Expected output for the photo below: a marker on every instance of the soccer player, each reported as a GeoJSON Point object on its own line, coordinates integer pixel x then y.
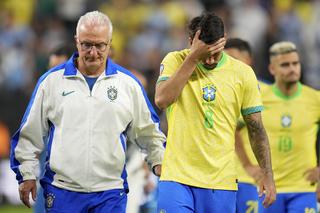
{"type": "Point", "coordinates": [291, 118]}
{"type": "Point", "coordinates": [204, 91]}
{"type": "Point", "coordinates": [249, 172]}
{"type": "Point", "coordinates": [84, 111]}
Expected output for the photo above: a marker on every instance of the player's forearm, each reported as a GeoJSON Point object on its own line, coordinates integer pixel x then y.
{"type": "Point", "coordinates": [259, 141]}
{"type": "Point", "coordinates": [240, 151]}
{"type": "Point", "coordinates": [168, 91]}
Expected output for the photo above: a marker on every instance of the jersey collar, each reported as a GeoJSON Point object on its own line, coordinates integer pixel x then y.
{"type": "Point", "coordinates": [278, 92]}
{"type": "Point", "coordinates": [71, 69]}
{"type": "Point", "coordinates": [220, 63]}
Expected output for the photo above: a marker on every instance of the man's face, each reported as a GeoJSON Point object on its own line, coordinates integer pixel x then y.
{"type": "Point", "coordinates": [211, 61]}
{"type": "Point", "coordinates": [286, 68]}
{"type": "Point", "coordinates": [243, 56]}
{"type": "Point", "coordinates": [93, 44]}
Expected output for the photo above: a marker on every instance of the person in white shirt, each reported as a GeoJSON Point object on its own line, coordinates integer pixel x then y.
{"type": "Point", "coordinates": [84, 111]}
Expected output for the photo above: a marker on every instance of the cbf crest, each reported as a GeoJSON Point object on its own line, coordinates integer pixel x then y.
{"type": "Point", "coordinates": [112, 93]}
{"type": "Point", "coordinates": [49, 200]}
{"type": "Point", "coordinates": [286, 121]}
{"type": "Point", "coordinates": [209, 93]}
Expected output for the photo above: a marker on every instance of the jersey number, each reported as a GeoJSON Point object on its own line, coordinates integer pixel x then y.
{"type": "Point", "coordinates": [309, 210]}
{"type": "Point", "coordinates": [285, 144]}
{"type": "Point", "coordinates": [208, 118]}
{"type": "Point", "coordinates": [252, 206]}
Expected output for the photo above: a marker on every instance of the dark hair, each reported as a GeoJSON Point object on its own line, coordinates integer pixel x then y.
{"type": "Point", "coordinates": [63, 50]}
{"type": "Point", "coordinates": [239, 44]}
{"type": "Point", "coordinates": [211, 26]}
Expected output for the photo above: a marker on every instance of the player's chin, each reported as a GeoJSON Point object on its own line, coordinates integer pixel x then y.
{"type": "Point", "coordinates": [94, 62]}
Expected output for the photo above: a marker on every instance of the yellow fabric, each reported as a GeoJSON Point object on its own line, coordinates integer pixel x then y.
{"type": "Point", "coordinates": [200, 143]}
{"type": "Point", "coordinates": [23, 10]}
{"type": "Point", "coordinates": [291, 125]}
{"type": "Point", "coordinates": [243, 176]}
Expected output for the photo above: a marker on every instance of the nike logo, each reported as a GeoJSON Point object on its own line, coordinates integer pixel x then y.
{"type": "Point", "coordinates": [67, 93]}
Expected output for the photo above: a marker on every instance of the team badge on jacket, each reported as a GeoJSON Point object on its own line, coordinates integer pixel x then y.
{"type": "Point", "coordinates": [49, 200]}
{"type": "Point", "coordinates": [112, 93]}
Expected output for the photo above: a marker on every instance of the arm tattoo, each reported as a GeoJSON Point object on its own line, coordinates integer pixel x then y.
{"type": "Point", "coordinates": [259, 140]}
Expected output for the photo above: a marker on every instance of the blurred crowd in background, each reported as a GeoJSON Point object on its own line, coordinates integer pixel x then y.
{"type": "Point", "coordinates": [144, 31]}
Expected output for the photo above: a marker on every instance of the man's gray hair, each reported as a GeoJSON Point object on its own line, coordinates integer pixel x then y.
{"type": "Point", "coordinates": [95, 18]}
{"type": "Point", "coordinates": [282, 47]}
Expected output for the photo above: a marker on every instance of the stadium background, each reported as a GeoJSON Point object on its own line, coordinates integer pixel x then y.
{"type": "Point", "coordinates": [144, 31]}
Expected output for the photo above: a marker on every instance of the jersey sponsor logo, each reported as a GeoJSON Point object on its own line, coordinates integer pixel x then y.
{"type": "Point", "coordinates": [64, 93]}
{"type": "Point", "coordinates": [162, 211]}
{"type": "Point", "coordinates": [112, 93]}
{"type": "Point", "coordinates": [209, 93]}
{"type": "Point", "coordinates": [286, 121]}
{"type": "Point", "coordinates": [49, 200]}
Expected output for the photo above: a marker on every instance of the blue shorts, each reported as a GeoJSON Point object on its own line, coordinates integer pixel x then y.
{"type": "Point", "coordinates": [248, 198]}
{"type": "Point", "coordinates": [175, 197]}
{"type": "Point", "coordinates": [294, 203]}
{"type": "Point", "coordinates": [65, 201]}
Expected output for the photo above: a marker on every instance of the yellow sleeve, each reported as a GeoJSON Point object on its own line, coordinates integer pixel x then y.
{"type": "Point", "coordinates": [318, 92]}
{"type": "Point", "coordinates": [168, 66]}
{"type": "Point", "coordinates": [251, 94]}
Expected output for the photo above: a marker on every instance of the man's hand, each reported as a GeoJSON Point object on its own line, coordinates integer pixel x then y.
{"type": "Point", "coordinates": [25, 188]}
{"type": "Point", "coordinates": [260, 146]}
{"type": "Point", "coordinates": [157, 170]}
{"type": "Point", "coordinates": [201, 50]}
{"type": "Point", "coordinates": [267, 187]}
{"type": "Point", "coordinates": [312, 175]}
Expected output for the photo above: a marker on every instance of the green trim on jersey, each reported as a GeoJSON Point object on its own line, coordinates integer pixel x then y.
{"type": "Point", "coordinates": [278, 92]}
{"type": "Point", "coordinates": [220, 63]}
{"type": "Point", "coordinates": [162, 79]}
{"type": "Point", "coordinates": [251, 110]}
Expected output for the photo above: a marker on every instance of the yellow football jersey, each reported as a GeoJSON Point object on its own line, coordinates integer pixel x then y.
{"type": "Point", "coordinates": [201, 122]}
{"type": "Point", "coordinates": [243, 176]}
{"type": "Point", "coordinates": [291, 124]}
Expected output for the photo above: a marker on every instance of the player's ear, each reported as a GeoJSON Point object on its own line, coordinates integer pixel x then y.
{"type": "Point", "coordinates": [190, 41]}
{"type": "Point", "coordinates": [271, 69]}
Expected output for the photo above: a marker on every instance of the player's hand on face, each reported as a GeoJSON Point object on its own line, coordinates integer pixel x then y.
{"type": "Point", "coordinates": [267, 187]}
{"type": "Point", "coordinates": [201, 50]}
{"type": "Point", "coordinates": [312, 175]}
{"type": "Point", "coordinates": [25, 188]}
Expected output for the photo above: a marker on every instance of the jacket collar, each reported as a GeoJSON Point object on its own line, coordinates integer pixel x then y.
{"type": "Point", "coordinates": [71, 69]}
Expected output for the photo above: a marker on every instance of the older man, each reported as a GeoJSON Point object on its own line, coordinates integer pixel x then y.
{"type": "Point", "coordinates": [84, 111]}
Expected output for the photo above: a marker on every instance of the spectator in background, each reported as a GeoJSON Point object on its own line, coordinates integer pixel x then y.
{"type": "Point", "coordinates": [198, 88]}
{"type": "Point", "coordinates": [61, 54]}
{"type": "Point", "coordinates": [291, 118]}
{"type": "Point", "coordinates": [83, 112]}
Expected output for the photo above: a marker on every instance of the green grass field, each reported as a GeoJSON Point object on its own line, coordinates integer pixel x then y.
{"type": "Point", "coordinates": [14, 209]}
